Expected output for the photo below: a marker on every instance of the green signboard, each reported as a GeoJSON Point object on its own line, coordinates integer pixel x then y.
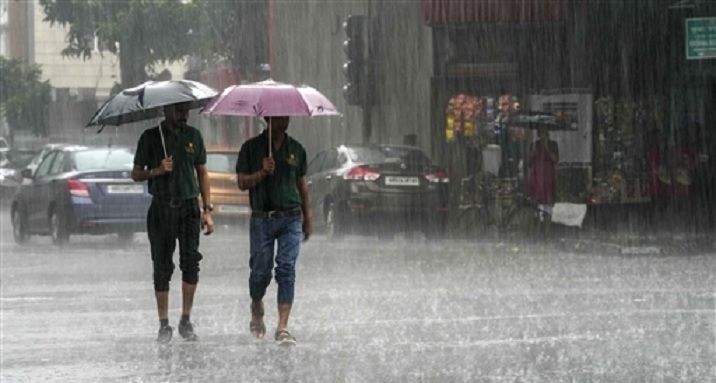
{"type": "Point", "coordinates": [701, 38]}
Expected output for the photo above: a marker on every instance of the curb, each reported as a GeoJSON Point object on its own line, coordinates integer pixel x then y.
{"type": "Point", "coordinates": [683, 246]}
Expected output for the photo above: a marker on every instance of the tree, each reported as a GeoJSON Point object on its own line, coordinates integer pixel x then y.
{"type": "Point", "coordinates": [142, 34]}
{"type": "Point", "coordinates": [145, 33]}
{"type": "Point", "coordinates": [235, 31]}
{"type": "Point", "coordinates": [24, 98]}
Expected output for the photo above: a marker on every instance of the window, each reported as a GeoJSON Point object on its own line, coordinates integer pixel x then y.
{"type": "Point", "coordinates": [410, 156]}
{"type": "Point", "coordinates": [109, 158]}
{"type": "Point", "coordinates": [221, 162]}
{"type": "Point", "coordinates": [58, 165]}
{"type": "Point", "coordinates": [316, 162]}
{"type": "Point", "coordinates": [331, 161]}
{"type": "Point", "coordinates": [44, 168]}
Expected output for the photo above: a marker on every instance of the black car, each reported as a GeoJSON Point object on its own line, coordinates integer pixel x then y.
{"type": "Point", "coordinates": [377, 189]}
{"type": "Point", "coordinates": [80, 190]}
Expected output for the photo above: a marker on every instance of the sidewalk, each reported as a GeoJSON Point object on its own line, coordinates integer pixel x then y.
{"type": "Point", "coordinates": [673, 242]}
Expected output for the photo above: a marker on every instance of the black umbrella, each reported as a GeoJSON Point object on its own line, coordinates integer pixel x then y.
{"type": "Point", "coordinates": [534, 120]}
{"type": "Point", "coordinates": [147, 101]}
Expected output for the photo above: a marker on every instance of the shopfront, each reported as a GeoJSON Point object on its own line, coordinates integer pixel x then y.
{"type": "Point", "coordinates": [490, 58]}
{"type": "Point", "coordinates": [622, 65]}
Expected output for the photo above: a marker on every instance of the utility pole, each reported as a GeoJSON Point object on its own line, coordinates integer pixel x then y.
{"type": "Point", "coordinates": [368, 86]}
{"type": "Point", "coordinates": [358, 68]}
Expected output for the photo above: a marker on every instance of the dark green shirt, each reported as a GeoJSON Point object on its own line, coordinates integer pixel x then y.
{"type": "Point", "coordinates": [278, 191]}
{"type": "Point", "coordinates": [187, 151]}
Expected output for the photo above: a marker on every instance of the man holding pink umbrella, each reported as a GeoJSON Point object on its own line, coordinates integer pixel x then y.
{"type": "Point", "coordinates": [272, 167]}
{"type": "Point", "coordinates": [281, 214]}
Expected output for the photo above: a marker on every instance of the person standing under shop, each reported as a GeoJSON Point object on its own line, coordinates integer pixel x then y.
{"type": "Point", "coordinates": [542, 179]}
{"type": "Point", "coordinates": [281, 215]}
{"type": "Point", "coordinates": [685, 197]}
{"type": "Point", "coordinates": [176, 177]}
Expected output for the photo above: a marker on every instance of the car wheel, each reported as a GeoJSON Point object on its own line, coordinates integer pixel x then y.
{"type": "Point", "coordinates": [19, 231]}
{"type": "Point", "coordinates": [334, 229]}
{"type": "Point", "coordinates": [58, 229]}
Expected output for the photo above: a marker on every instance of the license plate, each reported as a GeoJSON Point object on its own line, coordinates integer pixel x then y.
{"type": "Point", "coordinates": [233, 209]}
{"type": "Point", "coordinates": [402, 181]}
{"type": "Point", "coordinates": [125, 189]}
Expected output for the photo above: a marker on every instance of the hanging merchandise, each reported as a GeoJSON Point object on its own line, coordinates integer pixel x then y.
{"type": "Point", "coordinates": [620, 161]}
{"type": "Point", "coordinates": [462, 112]}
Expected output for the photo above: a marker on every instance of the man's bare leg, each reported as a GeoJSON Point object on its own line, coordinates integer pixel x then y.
{"type": "Point", "coordinates": [284, 310]}
{"type": "Point", "coordinates": [283, 336]}
{"type": "Point", "coordinates": [165, 331]}
{"type": "Point", "coordinates": [187, 291]}
{"type": "Point", "coordinates": [162, 304]}
{"type": "Point", "coordinates": [186, 328]}
{"type": "Point", "coordinates": [256, 326]}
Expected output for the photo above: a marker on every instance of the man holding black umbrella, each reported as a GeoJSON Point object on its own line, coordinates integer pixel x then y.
{"type": "Point", "coordinates": [172, 158]}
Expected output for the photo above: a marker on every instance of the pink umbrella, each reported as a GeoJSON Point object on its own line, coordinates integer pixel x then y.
{"type": "Point", "coordinates": [270, 99]}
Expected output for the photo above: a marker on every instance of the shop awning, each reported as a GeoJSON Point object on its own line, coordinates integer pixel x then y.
{"type": "Point", "coordinates": [492, 11]}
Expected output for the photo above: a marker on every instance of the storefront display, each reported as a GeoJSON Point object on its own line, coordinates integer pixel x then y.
{"type": "Point", "coordinates": [622, 156]}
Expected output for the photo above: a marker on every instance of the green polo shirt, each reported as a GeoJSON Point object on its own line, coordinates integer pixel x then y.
{"type": "Point", "coordinates": [278, 191]}
{"type": "Point", "coordinates": [187, 151]}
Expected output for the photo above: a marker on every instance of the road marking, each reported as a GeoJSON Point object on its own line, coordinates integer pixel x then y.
{"type": "Point", "coordinates": [26, 299]}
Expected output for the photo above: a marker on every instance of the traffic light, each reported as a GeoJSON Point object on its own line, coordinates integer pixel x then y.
{"type": "Point", "coordinates": [354, 67]}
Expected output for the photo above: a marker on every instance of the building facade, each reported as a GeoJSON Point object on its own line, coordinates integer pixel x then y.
{"type": "Point", "coordinates": [620, 68]}
{"type": "Point", "coordinates": [79, 85]}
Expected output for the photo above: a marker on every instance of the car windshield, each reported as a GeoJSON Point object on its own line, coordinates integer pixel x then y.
{"type": "Point", "coordinates": [411, 156]}
{"type": "Point", "coordinates": [221, 162]}
{"type": "Point", "coordinates": [97, 159]}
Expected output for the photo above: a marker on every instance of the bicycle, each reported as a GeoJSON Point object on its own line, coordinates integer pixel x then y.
{"type": "Point", "coordinates": [495, 209]}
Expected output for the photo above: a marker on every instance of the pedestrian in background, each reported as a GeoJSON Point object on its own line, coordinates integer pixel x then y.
{"type": "Point", "coordinates": [173, 161]}
{"type": "Point", "coordinates": [280, 216]}
{"type": "Point", "coordinates": [542, 179]}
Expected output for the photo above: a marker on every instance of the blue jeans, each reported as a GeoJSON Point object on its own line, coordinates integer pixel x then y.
{"type": "Point", "coordinates": [287, 233]}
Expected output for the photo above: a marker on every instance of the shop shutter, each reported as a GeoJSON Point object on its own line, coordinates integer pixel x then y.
{"type": "Point", "coordinates": [492, 11]}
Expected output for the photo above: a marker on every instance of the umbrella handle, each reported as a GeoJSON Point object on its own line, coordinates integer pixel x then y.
{"type": "Point", "coordinates": [269, 139]}
{"type": "Point", "coordinates": [164, 145]}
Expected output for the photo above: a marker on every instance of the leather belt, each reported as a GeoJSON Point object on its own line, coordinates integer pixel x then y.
{"type": "Point", "coordinates": [277, 213]}
{"type": "Point", "coordinates": [175, 203]}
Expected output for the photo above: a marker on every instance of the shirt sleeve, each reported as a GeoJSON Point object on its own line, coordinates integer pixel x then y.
{"type": "Point", "coordinates": [301, 171]}
{"type": "Point", "coordinates": [141, 156]}
{"type": "Point", "coordinates": [200, 158]}
{"type": "Point", "coordinates": [243, 162]}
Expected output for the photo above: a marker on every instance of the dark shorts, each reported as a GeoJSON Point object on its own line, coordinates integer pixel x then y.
{"type": "Point", "coordinates": [169, 222]}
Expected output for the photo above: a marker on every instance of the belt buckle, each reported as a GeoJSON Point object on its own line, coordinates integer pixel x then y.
{"type": "Point", "coordinates": [173, 203]}
{"type": "Point", "coordinates": [272, 214]}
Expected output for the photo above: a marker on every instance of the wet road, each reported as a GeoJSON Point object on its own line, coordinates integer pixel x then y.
{"type": "Point", "coordinates": [405, 311]}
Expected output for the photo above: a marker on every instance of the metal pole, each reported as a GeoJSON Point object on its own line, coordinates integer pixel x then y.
{"type": "Point", "coordinates": [270, 37]}
{"type": "Point", "coordinates": [368, 84]}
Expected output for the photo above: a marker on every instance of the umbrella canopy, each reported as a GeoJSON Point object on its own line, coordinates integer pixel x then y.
{"type": "Point", "coordinates": [534, 120]}
{"type": "Point", "coordinates": [146, 101]}
{"type": "Point", "coordinates": [270, 99]}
